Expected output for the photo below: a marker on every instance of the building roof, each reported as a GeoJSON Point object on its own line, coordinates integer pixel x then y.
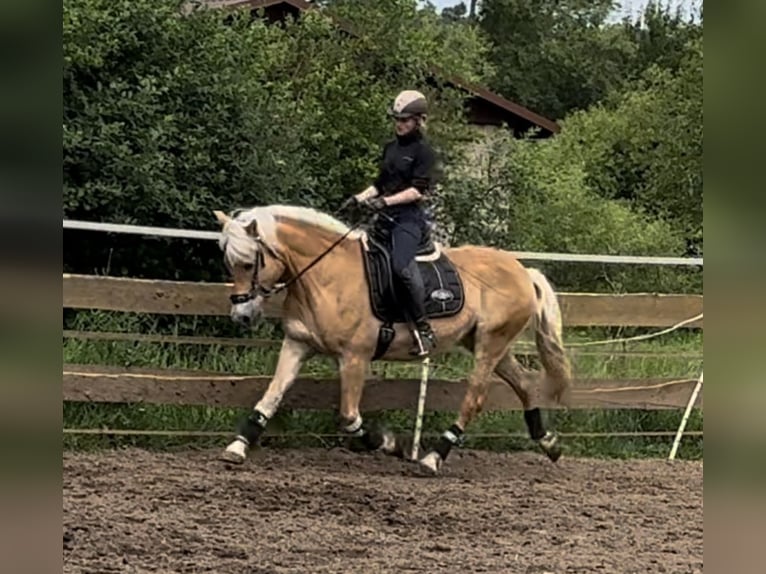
{"type": "Point", "coordinates": [486, 107]}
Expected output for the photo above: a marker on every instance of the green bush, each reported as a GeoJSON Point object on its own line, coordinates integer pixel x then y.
{"type": "Point", "coordinates": [536, 196]}
{"type": "Point", "coordinates": [168, 116]}
{"type": "Point", "coordinates": [170, 113]}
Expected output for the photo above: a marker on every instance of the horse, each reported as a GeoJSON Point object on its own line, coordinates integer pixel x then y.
{"type": "Point", "coordinates": [318, 264]}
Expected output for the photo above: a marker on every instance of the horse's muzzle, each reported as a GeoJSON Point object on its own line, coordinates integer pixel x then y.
{"type": "Point", "coordinates": [247, 312]}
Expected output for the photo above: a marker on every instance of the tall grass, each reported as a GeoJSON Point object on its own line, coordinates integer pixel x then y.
{"type": "Point", "coordinates": [674, 358]}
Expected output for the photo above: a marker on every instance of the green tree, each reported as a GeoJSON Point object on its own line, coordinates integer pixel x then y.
{"type": "Point", "coordinates": [552, 56]}
{"type": "Point", "coordinates": [536, 196]}
{"type": "Point", "coordinates": [661, 38]}
{"type": "Point", "coordinates": [170, 114]}
{"type": "Point", "coordinates": [646, 146]}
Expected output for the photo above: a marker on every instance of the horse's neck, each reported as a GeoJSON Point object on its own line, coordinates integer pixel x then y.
{"type": "Point", "coordinates": [304, 245]}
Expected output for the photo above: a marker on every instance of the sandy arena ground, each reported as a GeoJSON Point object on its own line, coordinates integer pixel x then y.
{"type": "Point", "coordinates": [322, 511]}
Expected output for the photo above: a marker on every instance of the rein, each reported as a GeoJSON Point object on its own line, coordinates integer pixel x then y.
{"type": "Point", "coordinates": [292, 280]}
{"type": "Point", "coordinates": [264, 292]}
{"type": "Point", "coordinates": [259, 262]}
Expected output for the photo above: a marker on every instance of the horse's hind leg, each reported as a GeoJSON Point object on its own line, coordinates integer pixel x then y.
{"type": "Point", "coordinates": [517, 378]}
{"type": "Point", "coordinates": [489, 348]}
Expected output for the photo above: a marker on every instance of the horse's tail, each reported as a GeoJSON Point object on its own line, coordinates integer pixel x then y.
{"type": "Point", "coordinates": [548, 337]}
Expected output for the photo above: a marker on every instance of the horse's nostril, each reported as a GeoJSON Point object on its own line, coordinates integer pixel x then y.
{"type": "Point", "coordinates": [241, 318]}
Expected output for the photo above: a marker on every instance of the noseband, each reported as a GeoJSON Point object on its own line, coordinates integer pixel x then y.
{"type": "Point", "coordinates": [255, 287]}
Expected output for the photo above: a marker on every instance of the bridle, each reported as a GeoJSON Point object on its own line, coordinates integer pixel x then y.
{"type": "Point", "coordinates": [256, 289]}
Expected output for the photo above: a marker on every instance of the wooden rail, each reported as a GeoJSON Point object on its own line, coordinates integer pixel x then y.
{"type": "Point", "coordinates": [87, 383]}
{"type": "Point", "coordinates": [188, 298]}
{"type": "Point", "coordinates": [83, 383]}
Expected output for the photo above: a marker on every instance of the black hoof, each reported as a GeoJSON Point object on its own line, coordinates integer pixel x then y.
{"type": "Point", "coordinates": [549, 444]}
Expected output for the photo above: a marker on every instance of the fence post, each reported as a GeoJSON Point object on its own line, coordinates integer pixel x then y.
{"type": "Point", "coordinates": [685, 418]}
{"type": "Point", "coordinates": [421, 407]}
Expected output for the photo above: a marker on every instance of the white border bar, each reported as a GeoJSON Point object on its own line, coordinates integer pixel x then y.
{"type": "Point", "coordinates": [526, 255]}
{"type": "Point", "coordinates": [141, 230]}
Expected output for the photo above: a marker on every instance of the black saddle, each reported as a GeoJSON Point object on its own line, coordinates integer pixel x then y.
{"type": "Point", "coordinates": [444, 295]}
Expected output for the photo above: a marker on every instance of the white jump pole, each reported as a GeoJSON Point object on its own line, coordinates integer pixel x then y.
{"type": "Point", "coordinates": [685, 418]}
{"type": "Point", "coordinates": [421, 406]}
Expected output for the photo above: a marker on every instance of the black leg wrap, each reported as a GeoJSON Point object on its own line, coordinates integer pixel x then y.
{"type": "Point", "coordinates": [534, 423]}
{"type": "Point", "coordinates": [372, 439]}
{"type": "Point", "coordinates": [253, 426]}
{"type": "Point", "coordinates": [451, 437]}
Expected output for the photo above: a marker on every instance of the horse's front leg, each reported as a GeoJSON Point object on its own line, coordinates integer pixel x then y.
{"type": "Point", "coordinates": [352, 374]}
{"type": "Point", "coordinates": [291, 358]}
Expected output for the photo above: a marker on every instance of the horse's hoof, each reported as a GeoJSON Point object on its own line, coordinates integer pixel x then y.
{"type": "Point", "coordinates": [550, 446]}
{"type": "Point", "coordinates": [432, 462]}
{"type": "Point", "coordinates": [231, 457]}
{"type": "Point", "coordinates": [388, 442]}
{"type": "Point", "coordinates": [235, 453]}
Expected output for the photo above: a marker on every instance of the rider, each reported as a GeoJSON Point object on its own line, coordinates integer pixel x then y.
{"type": "Point", "coordinates": [405, 179]}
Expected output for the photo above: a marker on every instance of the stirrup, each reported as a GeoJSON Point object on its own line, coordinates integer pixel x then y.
{"type": "Point", "coordinates": [423, 344]}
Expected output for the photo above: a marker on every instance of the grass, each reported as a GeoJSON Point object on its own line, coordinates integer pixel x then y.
{"type": "Point", "coordinates": [298, 428]}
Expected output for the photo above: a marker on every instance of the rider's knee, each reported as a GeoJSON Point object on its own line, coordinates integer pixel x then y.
{"type": "Point", "coordinates": [403, 269]}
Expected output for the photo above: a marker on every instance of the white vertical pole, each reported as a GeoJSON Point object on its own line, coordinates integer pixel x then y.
{"type": "Point", "coordinates": [421, 407]}
{"type": "Point", "coordinates": [685, 419]}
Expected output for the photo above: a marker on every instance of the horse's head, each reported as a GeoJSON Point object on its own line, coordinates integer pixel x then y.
{"type": "Point", "coordinates": [253, 263]}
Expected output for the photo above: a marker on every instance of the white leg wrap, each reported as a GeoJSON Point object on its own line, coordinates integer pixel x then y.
{"type": "Point", "coordinates": [238, 447]}
{"type": "Point", "coordinates": [432, 461]}
{"type": "Point", "coordinates": [355, 427]}
{"type": "Point", "coordinates": [389, 442]}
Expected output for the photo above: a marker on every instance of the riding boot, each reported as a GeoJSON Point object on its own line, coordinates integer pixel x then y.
{"type": "Point", "coordinates": [424, 336]}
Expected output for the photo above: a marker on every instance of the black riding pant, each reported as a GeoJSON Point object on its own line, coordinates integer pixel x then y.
{"type": "Point", "coordinates": [406, 236]}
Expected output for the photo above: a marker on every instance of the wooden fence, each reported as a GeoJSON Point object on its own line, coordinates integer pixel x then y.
{"type": "Point", "coordinates": [186, 298]}
{"type": "Point", "coordinates": [130, 385]}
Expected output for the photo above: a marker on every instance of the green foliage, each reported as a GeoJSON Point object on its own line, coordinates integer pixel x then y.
{"type": "Point", "coordinates": [538, 196]}
{"type": "Point", "coordinates": [171, 113]}
{"type": "Point", "coordinates": [557, 57]}
{"type": "Point", "coordinates": [645, 146]}
{"type": "Point", "coordinates": [168, 116]}
{"type": "Point", "coordinates": [554, 58]}
{"type": "Point", "coordinates": [661, 38]}
{"type": "Point", "coordinates": [160, 112]}
{"type": "Point", "coordinates": [404, 36]}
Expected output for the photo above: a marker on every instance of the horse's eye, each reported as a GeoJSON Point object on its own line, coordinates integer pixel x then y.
{"type": "Point", "coordinates": [248, 266]}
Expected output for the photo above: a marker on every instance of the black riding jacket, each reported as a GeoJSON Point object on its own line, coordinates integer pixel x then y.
{"type": "Point", "coordinates": [408, 161]}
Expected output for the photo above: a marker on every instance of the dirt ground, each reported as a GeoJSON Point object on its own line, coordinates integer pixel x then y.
{"type": "Point", "coordinates": [321, 511]}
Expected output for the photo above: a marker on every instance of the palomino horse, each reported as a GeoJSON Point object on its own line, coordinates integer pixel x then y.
{"type": "Point", "coordinates": [327, 310]}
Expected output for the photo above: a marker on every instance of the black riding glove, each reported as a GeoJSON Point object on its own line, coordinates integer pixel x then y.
{"type": "Point", "coordinates": [376, 203]}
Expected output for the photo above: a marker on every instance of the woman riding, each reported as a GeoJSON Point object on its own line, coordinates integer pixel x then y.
{"type": "Point", "coordinates": [404, 181]}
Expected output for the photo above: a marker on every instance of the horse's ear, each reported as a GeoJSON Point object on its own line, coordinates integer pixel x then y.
{"type": "Point", "coordinates": [252, 228]}
{"type": "Point", "coordinates": [222, 218]}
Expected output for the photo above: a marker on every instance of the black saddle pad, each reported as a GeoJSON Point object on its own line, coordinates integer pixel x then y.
{"type": "Point", "coordinates": [444, 296]}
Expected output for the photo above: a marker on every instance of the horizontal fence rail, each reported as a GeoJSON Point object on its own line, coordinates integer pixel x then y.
{"type": "Point", "coordinates": [131, 385]}
{"type": "Point", "coordinates": [190, 298]}
{"type": "Point", "coordinates": [88, 383]}
{"type": "Point", "coordinates": [524, 255]}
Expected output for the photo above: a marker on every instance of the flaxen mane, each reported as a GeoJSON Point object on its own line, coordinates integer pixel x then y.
{"type": "Point", "coordinates": [239, 247]}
